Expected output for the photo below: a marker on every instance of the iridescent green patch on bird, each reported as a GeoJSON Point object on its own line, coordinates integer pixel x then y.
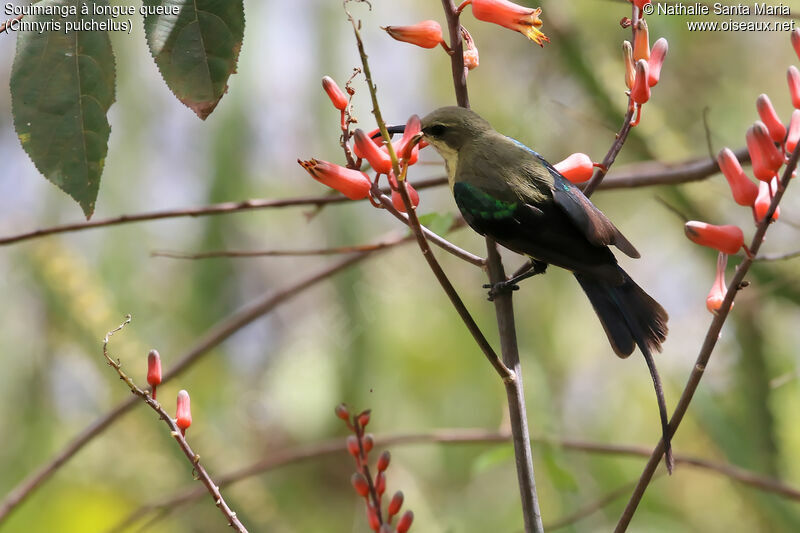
{"type": "Point", "coordinates": [480, 204]}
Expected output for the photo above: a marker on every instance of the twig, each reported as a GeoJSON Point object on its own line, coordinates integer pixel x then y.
{"type": "Point", "coordinates": [778, 257]}
{"type": "Point", "coordinates": [590, 508]}
{"type": "Point", "coordinates": [4, 25]}
{"type": "Point", "coordinates": [611, 156]}
{"type": "Point", "coordinates": [213, 337]}
{"type": "Point", "coordinates": [708, 346]}
{"type": "Point", "coordinates": [274, 459]}
{"type": "Point", "coordinates": [197, 468]}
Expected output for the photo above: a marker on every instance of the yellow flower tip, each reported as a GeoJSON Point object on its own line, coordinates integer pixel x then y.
{"type": "Point", "coordinates": [536, 36]}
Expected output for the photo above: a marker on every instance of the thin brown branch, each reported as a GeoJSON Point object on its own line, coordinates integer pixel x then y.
{"type": "Point", "coordinates": [590, 508]}
{"type": "Point", "coordinates": [275, 459]}
{"type": "Point", "coordinates": [198, 469]}
{"type": "Point", "coordinates": [708, 345]}
{"type": "Point", "coordinates": [213, 338]}
{"type": "Point", "coordinates": [5, 25]}
{"type": "Point", "coordinates": [779, 257]}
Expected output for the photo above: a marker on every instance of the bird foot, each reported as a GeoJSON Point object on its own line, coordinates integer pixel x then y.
{"type": "Point", "coordinates": [502, 287]}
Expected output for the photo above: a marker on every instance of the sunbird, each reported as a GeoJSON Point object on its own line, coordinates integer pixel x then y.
{"type": "Point", "coordinates": [510, 193]}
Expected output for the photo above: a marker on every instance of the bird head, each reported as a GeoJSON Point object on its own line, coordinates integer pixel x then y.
{"type": "Point", "coordinates": [449, 128]}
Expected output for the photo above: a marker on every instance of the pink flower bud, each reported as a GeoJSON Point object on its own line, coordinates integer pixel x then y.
{"type": "Point", "coordinates": [183, 415]}
{"type": "Point", "coordinates": [352, 446]}
{"type": "Point", "coordinates": [764, 200]}
{"type": "Point", "coordinates": [743, 189]}
{"type": "Point", "coordinates": [352, 183]}
{"type": "Point", "coordinates": [383, 461]}
{"type": "Point", "coordinates": [360, 483]}
{"type": "Point", "coordinates": [630, 69]}
{"type": "Point", "coordinates": [395, 504]}
{"type": "Point", "coordinates": [577, 168]}
{"type": "Point", "coordinates": [726, 239]}
{"type": "Point", "coordinates": [656, 61]}
{"type": "Point", "coordinates": [793, 77]}
{"type": "Point", "coordinates": [641, 42]}
{"type": "Point", "coordinates": [153, 370]}
{"type": "Point", "coordinates": [641, 85]}
{"type": "Point", "coordinates": [794, 132]}
{"type": "Point", "coordinates": [404, 524]}
{"type": "Point", "coordinates": [770, 118]}
{"type": "Point", "coordinates": [762, 152]}
{"type": "Point", "coordinates": [427, 34]}
{"type": "Point", "coordinates": [719, 289]}
{"type": "Point", "coordinates": [510, 15]}
{"type": "Point", "coordinates": [338, 98]}
{"type": "Point", "coordinates": [796, 41]}
{"type": "Point", "coordinates": [342, 412]}
{"type": "Point", "coordinates": [366, 149]}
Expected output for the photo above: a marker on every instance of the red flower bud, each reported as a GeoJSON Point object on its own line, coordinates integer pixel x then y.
{"type": "Point", "coordinates": [471, 59]}
{"type": "Point", "coordinates": [380, 483]}
{"type": "Point", "coordinates": [641, 41]}
{"type": "Point", "coordinates": [369, 442]}
{"type": "Point", "coordinates": [794, 132]}
{"type": "Point", "coordinates": [352, 446]}
{"type": "Point", "coordinates": [395, 504]}
{"type": "Point", "coordinates": [796, 41]}
{"type": "Point", "coordinates": [372, 518]}
{"type": "Point", "coordinates": [363, 418]}
{"type": "Point", "coordinates": [793, 77]}
{"type": "Point", "coordinates": [656, 61]}
{"type": "Point", "coordinates": [641, 85]}
{"type": "Point", "coordinates": [510, 15]}
{"type": "Point", "coordinates": [366, 149]}
{"type": "Point", "coordinates": [726, 239]}
{"type": "Point", "coordinates": [183, 415]}
{"type": "Point", "coordinates": [405, 521]}
{"type": "Point", "coordinates": [403, 148]}
{"type": "Point", "coordinates": [359, 483]}
{"type": "Point", "coordinates": [338, 98]}
{"type": "Point", "coordinates": [764, 199]}
{"type": "Point", "coordinates": [577, 168]}
{"type": "Point", "coordinates": [770, 118]}
{"type": "Point", "coordinates": [427, 34]}
{"type": "Point", "coordinates": [718, 290]}
{"type": "Point", "coordinates": [397, 198]}
{"type": "Point", "coordinates": [383, 461]}
{"type": "Point", "coordinates": [352, 183]}
{"type": "Point", "coordinates": [153, 370]}
{"type": "Point", "coordinates": [342, 412]}
{"type": "Point", "coordinates": [630, 69]}
{"type": "Point", "coordinates": [764, 156]}
{"type": "Point", "coordinates": [641, 3]}
{"type": "Point", "coordinates": [743, 189]}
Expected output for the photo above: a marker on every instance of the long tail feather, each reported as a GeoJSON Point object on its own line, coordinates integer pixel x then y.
{"type": "Point", "coordinates": [630, 317]}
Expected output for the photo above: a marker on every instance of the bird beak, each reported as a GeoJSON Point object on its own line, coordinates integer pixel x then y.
{"type": "Point", "coordinates": [392, 130]}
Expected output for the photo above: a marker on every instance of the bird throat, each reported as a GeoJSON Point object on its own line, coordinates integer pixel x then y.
{"type": "Point", "coordinates": [450, 157]}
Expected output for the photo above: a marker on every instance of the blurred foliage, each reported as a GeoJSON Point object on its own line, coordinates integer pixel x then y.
{"type": "Point", "coordinates": [382, 335]}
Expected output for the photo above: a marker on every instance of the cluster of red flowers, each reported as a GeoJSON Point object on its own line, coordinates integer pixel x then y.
{"type": "Point", "coordinates": [359, 445]}
{"type": "Point", "coordinates": [642, 64]}
{"type": "Point", "coordinates": [183, 415]}
{"type": "Point", "coordinates": [769, 144]}
{"type": "Point", "coordinates": [372, 147]}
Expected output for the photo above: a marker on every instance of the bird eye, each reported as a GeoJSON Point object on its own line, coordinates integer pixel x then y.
{"type": "Point", "coordinates": [436, 130]}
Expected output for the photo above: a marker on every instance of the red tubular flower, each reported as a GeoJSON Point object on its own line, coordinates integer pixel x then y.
{"type": "Point", "coordinates": [770, 118]}
{"type": "Point", "coordinates": [337, 96]}
{"type": "Point", "coordinates": [413, 127]}
{"type": "Point", "coordinates": [796, 41]}
{"type": "Point", "coordinates": [577, 168]}
{"type": "Point", "coordinates": [743, 189]}
{"type": "Point", "coordinates": [366, 149]}
{"type": "Point", "coordinates": [641, 3]}
{"type": "Point", "coordinates": [512, 16]}
{"type": "Point", "coordinates": [405, 521]}
{"type": "Point", "coordinates": [153, 370]}
{"type": "Point", "coordinates": [630, 69]}
{"type": "Point", "coordinates": [641, 86]}
{"type": "Point", "coordinates": [765, 157]}
{"type": "Point", "coordinates": [352, 183]}
{"type": "Point", "coordinates": [719, 289]}
{"type": "Point", "coordinates": [726, 239]}
{"type": "Point", "coordinates": [793, 77]}
{"type": "Point", "coordinates": [641, 41]}
{"type": "Point", "coordinates": [656, 61]}
{"type": "Point", "coordinates": [794, 132]}
{"type": "Point", "coordinates": [471, 59]}
{"type": "Point", "coordinates": [427, 34]}
{"type": "Point", "coordinates": [764, 199]}
{"type": "Point", "coordinates": [183, 415]}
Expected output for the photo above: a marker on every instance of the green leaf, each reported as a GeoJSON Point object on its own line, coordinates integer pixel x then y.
{"type": "Point", "coordinates": [492, 457]}
{"type": "Point", "coordinates": [62, 85]}
{"type": "Point", "coordinates": [439, 223]}
{"type": "Point", "coordinates": [196, 49]}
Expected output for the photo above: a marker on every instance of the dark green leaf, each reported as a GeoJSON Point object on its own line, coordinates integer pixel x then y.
{"type": "Point", "coordinates": [197, 49]}
{"type": "Point", "coordinates": [62, 85]}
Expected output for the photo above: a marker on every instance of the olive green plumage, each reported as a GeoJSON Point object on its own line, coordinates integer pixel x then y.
{"type": "Point", "coordinates": [509, 192]}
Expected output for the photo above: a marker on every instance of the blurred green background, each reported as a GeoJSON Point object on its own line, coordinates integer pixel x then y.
{"type": "Point", "coordinates": [382, 335]}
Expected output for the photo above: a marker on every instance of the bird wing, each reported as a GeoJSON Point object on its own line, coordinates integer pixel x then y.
{"type": "Point", "coordinates": [587, 218]}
